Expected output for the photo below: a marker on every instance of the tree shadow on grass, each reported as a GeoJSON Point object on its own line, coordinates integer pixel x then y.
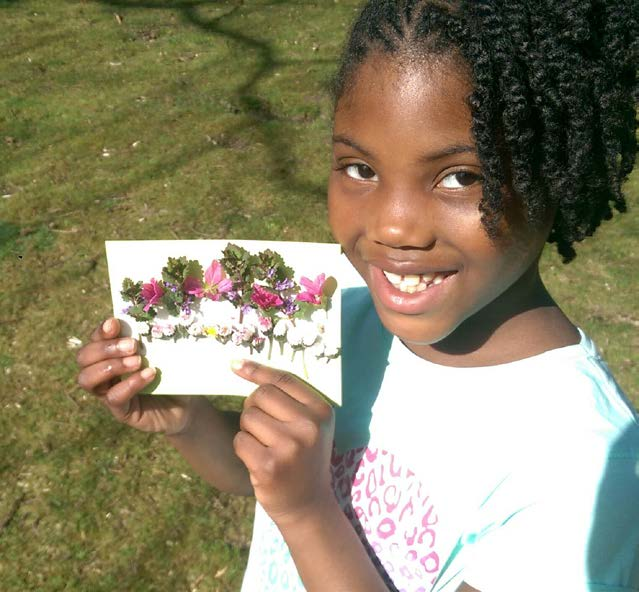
{"type": "Point", "coordinates": [259, 112]}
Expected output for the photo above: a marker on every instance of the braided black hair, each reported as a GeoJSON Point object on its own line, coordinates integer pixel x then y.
{"type": "Point", "coordinates": [553, 101]}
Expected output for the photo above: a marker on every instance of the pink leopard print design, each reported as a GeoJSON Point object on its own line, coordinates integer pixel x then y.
{"type": "Point", "coordinates": [391, 513]}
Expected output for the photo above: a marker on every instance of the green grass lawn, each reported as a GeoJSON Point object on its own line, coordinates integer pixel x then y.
{"type": "Point", "coordinates": [168, 119]}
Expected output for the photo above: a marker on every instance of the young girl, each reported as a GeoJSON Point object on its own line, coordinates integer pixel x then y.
{"type": "Point", "coordinates": [483, 443]}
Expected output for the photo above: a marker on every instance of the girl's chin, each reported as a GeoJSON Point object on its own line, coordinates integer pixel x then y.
{"type": "Point", "coordinates": [412, 331]}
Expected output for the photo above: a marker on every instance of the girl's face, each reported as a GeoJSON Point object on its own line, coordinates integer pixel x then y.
{"type": "Point", "coordinates": [403, 203]}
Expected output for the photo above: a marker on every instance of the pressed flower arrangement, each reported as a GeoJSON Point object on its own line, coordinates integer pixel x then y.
{"type": "Point", "coordinates": [245, 299]}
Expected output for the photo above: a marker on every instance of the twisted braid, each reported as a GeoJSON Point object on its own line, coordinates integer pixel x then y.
{"type": "Point", "coordinates": [553, 101]}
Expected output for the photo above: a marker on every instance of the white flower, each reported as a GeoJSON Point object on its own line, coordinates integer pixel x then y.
{"type": "Point", "coordinates": [319, 317]}
{"type": "Point", "coordinates": [223, 330]}
{"type": "Point", "coordinates": [168, 330]}
{"type": "Point", "coordinates": [141, 327]}
{"type": "Point", "coordinates": [309, 333]}
{"type": "Point", "coordinates": [236, 338]}
{"type": "Point", "coordinates": [318, 349]}
{"type": "Point", "coordinates": [295, 336]}
{"type": "Point", "coordinates": [247, 332]}
{"type": "Point", "coordinates": [157, 331]}
{"type": "Point", "coordinates": [195, 330]}
{"type": "Point", "coordinates": [281, 327]}
{"type": "Point", "coordinates": [250, 317]}
{"type": "Point", "coordinates": [264, 324]}
{"type": "Point", "coordinates": [186, 318]}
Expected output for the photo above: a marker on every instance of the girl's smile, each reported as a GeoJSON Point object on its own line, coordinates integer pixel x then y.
{"type": "Point", "coordinates": [404, 199]}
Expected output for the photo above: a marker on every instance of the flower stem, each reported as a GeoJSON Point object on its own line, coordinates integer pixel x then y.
{"type": "Point", "coordinates": [270, 346]}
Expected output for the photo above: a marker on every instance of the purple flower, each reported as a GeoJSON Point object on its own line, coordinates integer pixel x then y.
{"type": "Point", "coordinates": [286, 284]}
{"type": "Point", "coordinates": [290, 308]}
{"type": "Point", "coordinates": [151, 293]}
{"type": "Point", "coordinates": [264, 298]}
{"type": "Point", "coordinates": [270, 273]}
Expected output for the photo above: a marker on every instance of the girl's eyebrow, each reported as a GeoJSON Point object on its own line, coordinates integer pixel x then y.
{"type": "Point", "coordinates": [447, 151]}
{"type": "Point", "coordinates": [339, 139]}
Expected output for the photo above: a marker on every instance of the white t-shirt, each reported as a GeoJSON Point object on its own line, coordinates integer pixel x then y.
{"type": "Point", "coordinates": [522, 476]}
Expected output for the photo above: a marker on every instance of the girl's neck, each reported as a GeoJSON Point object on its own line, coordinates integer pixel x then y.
{"type": "Point", "coordinates": [524, 321]}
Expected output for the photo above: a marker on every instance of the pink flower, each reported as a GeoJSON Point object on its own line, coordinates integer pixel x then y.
{"type": "Point", "coordinates": [215, 282]}
{"type": "Point", "coordinates": [151, 293]}
{"type": "Point", "coordinates": [265, 299]}
{"type": "Point", "coordinates": [264, 323]}
{"type": "Point", "coordinates": [313, 292]}
{"type": "Point", "coordinates": [193, 286]}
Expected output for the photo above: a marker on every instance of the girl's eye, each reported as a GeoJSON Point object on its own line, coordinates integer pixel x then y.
{"type": "Point", "coordinates": [360, 172]}
{"type": "Point", "coordinates": [460, 179]}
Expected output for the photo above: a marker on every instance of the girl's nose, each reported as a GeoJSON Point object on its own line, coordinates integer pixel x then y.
{"type": "Point", "coordinates": [401, 220]}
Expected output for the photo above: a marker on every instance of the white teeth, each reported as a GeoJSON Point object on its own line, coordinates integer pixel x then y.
{"type": "Point", "coordinates": [414, 283]}
{"type": "Point", "coordinates": [393, 278]}
{"type": "Point", "coordinates": [411, 280]}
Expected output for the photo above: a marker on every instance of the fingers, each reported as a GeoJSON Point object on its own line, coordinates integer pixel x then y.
{"type": "Point", "coordinates": [105, 371]}
{"type": "Point", "coordinates": [119, 396]}
{"type": "Point", "coordinates": [287, 382]}
{"type": "Point", "coordinates": [100, 350]}
{"type": "Point", "coordinates": [253, 454]}
{"type": "Point", "coordinates": [107, 330]}
{"type": "Point", "coordinates": [276, 419]}
{"type": "Point", "coordinates": [276, 403]}
{"type": "Point", "coordinates": [105, 358]}
{"type": "Point", "coordinates": [263, 427]}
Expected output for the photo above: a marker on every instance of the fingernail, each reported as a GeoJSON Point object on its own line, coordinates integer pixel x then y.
{"type": "Point", "coordinates": [107, 326]}
{"type": "Point", "coordinates": [131, 361]}
{"type": "Point", "coordinates": [126, 345]}
{"type": "Point", "coordinates": [237, 364]}
{"type": "Point", "coordinates": [148, 373]}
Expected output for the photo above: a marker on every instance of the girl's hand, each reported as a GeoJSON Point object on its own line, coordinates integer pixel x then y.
{"type": "Point", "coordinates": [285, 441]}
{"type": "Point", "coordinates": [105, 360]}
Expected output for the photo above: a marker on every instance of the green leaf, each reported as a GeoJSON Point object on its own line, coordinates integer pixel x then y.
{"type": "Point", "coordinates": [139, 314]}
{"type": "Point", "coordinates": [131, 291]}
{"type": "Point", "coordinates": [193, 269]}
{"type": "Point", "coordinates": [306, 309]}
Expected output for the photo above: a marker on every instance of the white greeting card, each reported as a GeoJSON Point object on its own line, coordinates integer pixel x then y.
{"type": "Point", "coordinates": [197, 305]}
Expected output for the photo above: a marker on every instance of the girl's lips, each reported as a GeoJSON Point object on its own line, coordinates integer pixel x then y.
{"type": "Point", "coordinates": [403, 302]}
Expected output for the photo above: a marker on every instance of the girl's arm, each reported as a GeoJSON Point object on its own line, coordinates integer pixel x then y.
{"type": "Point", "coordinates": [328, 553]}
{"type": "Point", "coordinates": [286, 440]}
{"type": "Point", "coordinates": [206, 442]}
{"type": "Point", "coordinates": [111, 369]}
